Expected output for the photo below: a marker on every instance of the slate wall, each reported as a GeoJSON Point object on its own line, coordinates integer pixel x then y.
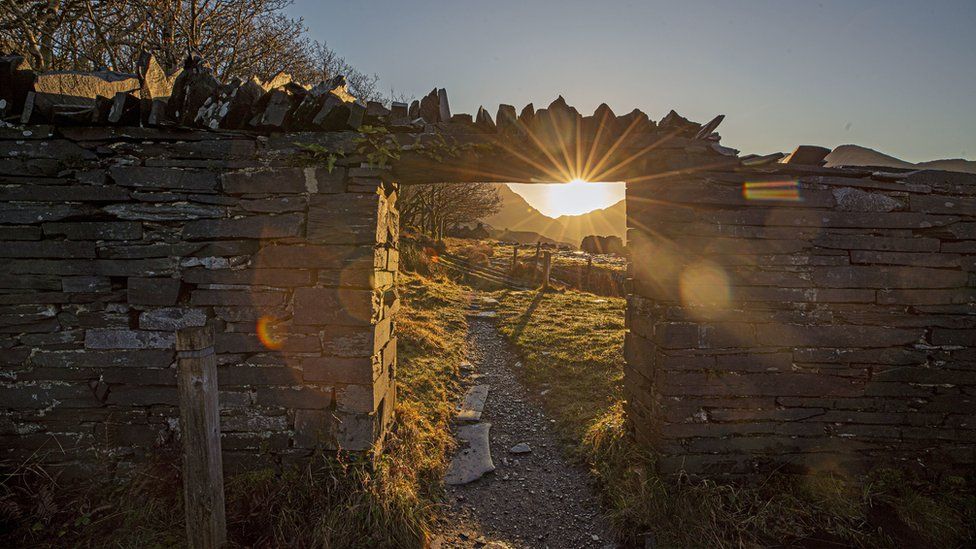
{"type": "Point", "coordinates": [803, 317]}
{"type": "Point", "coordinates": [111, 238]}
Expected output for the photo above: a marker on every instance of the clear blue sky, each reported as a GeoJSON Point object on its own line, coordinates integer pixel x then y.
{"type": "Point", "coordinates": [896, 76]}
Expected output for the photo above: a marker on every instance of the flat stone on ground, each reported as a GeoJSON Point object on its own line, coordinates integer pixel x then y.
{"type": "Point", "coordinates": [473, 459]}
{"type": "Point", "coordinates": [474, 403]}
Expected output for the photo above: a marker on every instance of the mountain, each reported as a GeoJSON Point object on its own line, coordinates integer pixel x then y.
{"type": "Point", "coordinates": [855, 155]}
{"type": "Point", "coordinates": [518, 215]}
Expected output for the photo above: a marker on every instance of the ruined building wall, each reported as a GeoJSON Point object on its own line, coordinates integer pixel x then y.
{"type": "Point", "coordinates": [803, 317]}
{"type": "Point", "coordinates": [112, 238]}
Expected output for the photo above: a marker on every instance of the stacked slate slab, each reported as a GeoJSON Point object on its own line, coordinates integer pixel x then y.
{"type": "Point", "coordinates": [112, 238]}
{"type": "Point", "coordinates": [799, 318]}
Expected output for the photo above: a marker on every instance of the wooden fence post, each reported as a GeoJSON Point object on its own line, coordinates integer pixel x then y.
{"type": "Point", "coordinates": [546, 268]}
{"type": "Point", "coordinates": [514, 258]}
{"type": "Point", "coordinates": [535, 260]}
{"type": "Point", "coordinates": [589, 266]}
{"type": "Point", "coordinates": [203, 475]}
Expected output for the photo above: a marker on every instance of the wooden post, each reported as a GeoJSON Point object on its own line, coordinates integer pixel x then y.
{"type": "Point", "coordinates": [546, 268]}
{"type": "Point", "coordinates": [535, 260]}
{"type": "Point", "coordinates": [514, 258]}
{"type": "Point", "coordinates": [589, 266]}
{"type": "Point", "coordinates": [203, 475]}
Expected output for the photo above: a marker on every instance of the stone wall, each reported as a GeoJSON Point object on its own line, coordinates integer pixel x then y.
{"type": "Point", "coordinates": [112, 238]}
{"type": "Point", "coordinates": [803, 317]}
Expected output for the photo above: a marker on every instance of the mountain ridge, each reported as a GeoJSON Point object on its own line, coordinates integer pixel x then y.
{"type": "Point", "coordinates": [856, 155]}
{"type": "Point", "coordinates": [518, 215]}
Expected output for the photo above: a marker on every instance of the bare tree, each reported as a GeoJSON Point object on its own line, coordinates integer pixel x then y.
{"type": "Point", "coordinates": [433, 208]}
{"type": "Point", "coordinates": [238, 38]}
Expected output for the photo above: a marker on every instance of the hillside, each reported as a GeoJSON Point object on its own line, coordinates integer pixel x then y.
{"type": "Point", "coordinates": [855, 155]}
{"type": "Point", "coordinates": [518, 215]}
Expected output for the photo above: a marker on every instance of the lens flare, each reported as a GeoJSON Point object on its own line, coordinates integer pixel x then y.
{"type": "Point", "coordinates": [779, 191]}
{"type": "Point", "coordinates": [704, 284]}
{"type": "Point", "coordinates": [269, 333]}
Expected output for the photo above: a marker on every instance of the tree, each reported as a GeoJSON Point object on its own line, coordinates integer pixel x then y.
{"type": "Point", "coordinates": [433, 208]}
{"type": "Point", "coordinates": [238, 38]}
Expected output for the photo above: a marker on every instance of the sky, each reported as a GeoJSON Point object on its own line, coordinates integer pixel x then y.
{"type": "Point", "coordinates": [899, 77]}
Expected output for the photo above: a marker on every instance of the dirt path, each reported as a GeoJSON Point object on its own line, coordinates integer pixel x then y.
{"type": "Point", "coordinates": [535, 499]}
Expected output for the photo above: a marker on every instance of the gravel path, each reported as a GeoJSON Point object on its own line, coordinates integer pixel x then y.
{"type": "Point", "coordinates": [538, 499]}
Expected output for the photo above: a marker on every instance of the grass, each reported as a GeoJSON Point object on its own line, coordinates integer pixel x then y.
{"type": "Point", "coordinates": [571, 345]}
{"type": "Point", "coordinates": [334, 502]}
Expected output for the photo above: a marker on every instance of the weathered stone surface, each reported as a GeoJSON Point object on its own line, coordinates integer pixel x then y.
{"type": "Point", "coordinates": [335, 306]}
{"type": "Point", "coordinates": [53, 193]}
{"type": "Point", "coordinates": [128, 339]}
{"type": "Point", "coordinates": [33, 213]}
{"type": "Point", "coordinates": [86, 284]}
{"type": "Point", "coordinates": [171, 318]}
{"type": "Point", "coordinates": [350, 218]}
{"type": "Point", "coordinates": [473, 458]}
{"type": "Point", "coordinates": [163, 212]}
{"type": "Point", "coordinates": [164, 178]}
{"type": "Point", "coordinates": [854, 200]}
{"type": "Point", "coordinates": [47, 248]}
{"type": "Point", "coordinates": [267, 226]}
{"type": "Point", "coordinates": [153, 291]}
{"type": "Point", "coordinates": [278, 180]}
{"type": "Point", "coordinates": [807, 154]}
{"type": "Point", "coordinates": [101, 230]}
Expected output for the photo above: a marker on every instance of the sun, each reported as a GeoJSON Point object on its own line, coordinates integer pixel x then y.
{"type": "Point", "coordinates": [573, 198]}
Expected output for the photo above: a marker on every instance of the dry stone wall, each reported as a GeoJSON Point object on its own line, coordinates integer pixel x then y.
{"type": "Point", "coordinates": [801, 317]}
{"type": "Point", "coordinates": [113, 238]}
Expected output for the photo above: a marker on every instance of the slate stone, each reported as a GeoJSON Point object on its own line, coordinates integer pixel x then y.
{"type": "Point", "coordinates": [429, 109]}
{"type": "Point", "coordinates": [348, 218]}
{"type": "Point", "coordinates": [357, 113]}
{"type": "Point", "coordinates": [172, 318]}
{"type": "Point", "coordinates": [483, 120]}
{"type": "Point", "coordinates": [153, 291]}
{"type": "Point", "coordinates": [414, 111]}
{"type": "Point", "coordinates": [527, 115]}
{"type": "Point", "coordinates": [506, 118]}
{"type": "Point", "coordinates": [674, 122]}
{"type": "Point", "coordinates": [240, 108]}
{"type": "Point", "coordinates": [86, 284]}
{"type": "Point", "coordinates": [16, 80]}
{"type": "Point", "coordinates": [58, 193]}
{"type": "Point", "coordinates": [161, 212]}
{"type": "Point", "coordinates": [710, 127]}
{"type": "Point", "coordinates": [25, 232]}
{"type": "Point", "coordinates": [398, 112]}
{"type": "Point", "coordinates": [156, 83]}
{"type": "Point", "coordinates": [57, 149]}
{"type": "Point", "coordinates": [443, 106]}
{"type": "Point", "coordinates": [855, 200]}
{"type": "Point", "coordinates": [263, 226]}
{"type": "Point", "coordinates": [98, 230]}
{"type": "Point", "coordinates": [520, 448]}
{"type": "Point", "coordinates": [164, 178]}
{"type": "Point", "coordinates": [48, 248]}
{"type": "Point", "coordinates": [125, 109]}
{"type": "Point", "coordinates": [112, 338]}
{"type": "Point", "coordinates": [279, 104]}
{"type": "Point", "coordinates": [807, 155]}
{"type": "Point", "coordinates": [473, 457]}
{"type": "Point", "coordinates": [334, 306]}
{"type": "Point", "coordinates": [473, 404]}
